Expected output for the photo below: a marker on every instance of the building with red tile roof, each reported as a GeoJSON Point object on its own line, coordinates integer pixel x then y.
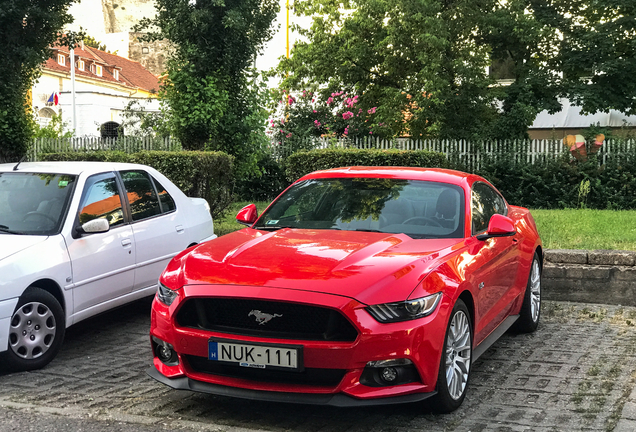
{"type": "Point", "coordinates": [105, 84]}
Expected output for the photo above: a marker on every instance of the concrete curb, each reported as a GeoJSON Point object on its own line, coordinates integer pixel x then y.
{"type": "Point", "coordinates": [598, 276]}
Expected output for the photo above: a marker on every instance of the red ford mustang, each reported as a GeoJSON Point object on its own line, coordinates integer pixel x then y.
{"type": "Point", "coordinates": [356, 286]}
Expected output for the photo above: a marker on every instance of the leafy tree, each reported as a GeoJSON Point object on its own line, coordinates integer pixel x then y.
{"type": "Point", "coordinates": [423, 63]}
{"type": "Point", "coordinates": [417, 61]}
{"type": "Point", "coordinates": [27, 29]}
{"type": "Point", "coordinates": [139, 122]}
{"type": "Point", "coordinates": [598, 52]}
{"type": "Point", "coordinates": [93, 43]}
{"type": "Point", "coordinates": [523, 47]}
{"type": "Point", "coordinates": [214, 100]}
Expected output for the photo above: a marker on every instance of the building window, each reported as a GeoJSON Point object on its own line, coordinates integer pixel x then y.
{"type": "Point", "coordinates": [44, 116]}
{"type": "Point", "coordinates": [96, 69]}
{"type": "Point", "coordinates": [81, 65]}
{"type": "Point", "coordinates": [145, 50]}
{"type": "Point", "coordinates": [61, 60]}
{"type": "Point", "coordinates": [111, 129]}
{"type": "Point", "coordinates": [116, 74]}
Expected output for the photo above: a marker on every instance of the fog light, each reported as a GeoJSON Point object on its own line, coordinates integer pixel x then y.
{"type": "Point", "coordinates": [164, 353]}
{"type": "Point", "coordinates": [389, 374]}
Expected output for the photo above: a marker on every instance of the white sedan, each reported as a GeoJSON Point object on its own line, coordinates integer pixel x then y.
{"type": "Point", "coordinates": [79, 238]}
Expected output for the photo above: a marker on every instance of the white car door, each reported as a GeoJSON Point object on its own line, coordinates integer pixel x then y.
{"type": "Point", "coordinates": [158, 227]}
{"type": "Point", "coordinates": [103, 263]}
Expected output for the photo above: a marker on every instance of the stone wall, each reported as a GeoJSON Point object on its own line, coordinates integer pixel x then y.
{"type": "Point", "coordinates": [151, 55]}
{"type": "Point", "coordinates": [599, 276]}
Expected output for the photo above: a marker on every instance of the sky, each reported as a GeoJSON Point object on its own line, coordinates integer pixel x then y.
{"type": "Point", "coordinates": [84, 12]}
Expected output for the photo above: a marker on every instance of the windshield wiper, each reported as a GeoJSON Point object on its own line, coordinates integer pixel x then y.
{"type": "Point", "coordinates": [5, 229]}
{"type": "Point", "coordinates": [273, 227]}
{"type": "Point", "coordinates": [369, 230]}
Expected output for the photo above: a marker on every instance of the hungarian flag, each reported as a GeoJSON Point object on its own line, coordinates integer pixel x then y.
{"type": "Point", "coordinates": [54, 99]}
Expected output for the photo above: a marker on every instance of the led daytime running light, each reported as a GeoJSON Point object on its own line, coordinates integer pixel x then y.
{"type": "Point", "coordinates": [406, 310]}
{"type": "Point", "coordinates": [165, 295]}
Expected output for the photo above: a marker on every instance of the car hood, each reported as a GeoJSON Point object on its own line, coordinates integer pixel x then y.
{"type": "Point", "coordinates": [13, 243]}
{"type": "Point", "coordinates": [369, 267]}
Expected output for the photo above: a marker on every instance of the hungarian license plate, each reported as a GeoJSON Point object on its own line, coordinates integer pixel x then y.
{"type": "Point", "coordinates": [255, 356]}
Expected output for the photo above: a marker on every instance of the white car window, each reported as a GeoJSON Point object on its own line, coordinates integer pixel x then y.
{"type": "Point", "coordinates": [102, 200]}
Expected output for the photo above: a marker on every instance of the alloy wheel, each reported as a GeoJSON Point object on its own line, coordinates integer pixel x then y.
{"type": "Point", "coordinates": [458, 354]}
{"type": "Point", "coordinates": [535, 290]}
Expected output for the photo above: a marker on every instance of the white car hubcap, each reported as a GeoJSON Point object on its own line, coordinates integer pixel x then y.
{"type": "Point", "coordinates": [32, 330]}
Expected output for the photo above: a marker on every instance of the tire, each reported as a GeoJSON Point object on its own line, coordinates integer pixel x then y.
{"type": "Point", "coordinates": [36, 331]}
{"type": "Point", "coordinates": [531, 308]}
{"type": "Point", "coordinates": [456, 361]}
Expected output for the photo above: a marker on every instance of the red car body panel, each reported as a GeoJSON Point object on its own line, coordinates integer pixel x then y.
{"type": "Point", "coordinates": [348, 271]}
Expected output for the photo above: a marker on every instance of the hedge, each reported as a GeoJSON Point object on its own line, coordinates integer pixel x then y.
{"type": "Point", "coordinates": [207, 175]}
{"type": "Point", "coordinates": [548, 183]}
{"type": "Point", "coordinates": [304, 162]}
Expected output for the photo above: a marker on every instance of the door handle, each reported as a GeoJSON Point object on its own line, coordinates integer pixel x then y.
{"type": "Point", "coordinates": [126, 242]}
{"type": "Point", "coordinates": [179, 228]}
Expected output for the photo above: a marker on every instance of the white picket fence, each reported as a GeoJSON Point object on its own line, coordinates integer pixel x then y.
{"type": "Point", "coordinates": [126, 144]}
{"type": "Point", "coordinates": [470, 153]}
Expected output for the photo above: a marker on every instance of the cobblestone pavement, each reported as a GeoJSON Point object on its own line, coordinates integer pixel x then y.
{"type": "Point", "coordinates": [576, 373]}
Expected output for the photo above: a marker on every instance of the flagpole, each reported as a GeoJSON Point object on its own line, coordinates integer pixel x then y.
{"type": "Point", "coordinates": [287, 28]}
{"type": "Point", "coordinates": [73, 89]}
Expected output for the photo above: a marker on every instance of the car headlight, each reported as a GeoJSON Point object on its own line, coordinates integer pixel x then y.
{"type": "Point", "coordinates": [406, 310]}
{"type": "Point", "coordinates": [166, 295]}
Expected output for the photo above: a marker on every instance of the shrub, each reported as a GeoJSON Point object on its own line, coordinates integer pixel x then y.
{"type": "Point", "coordinates": [207, 175]}
{"type": "Point", "coordinates": [301, 163]}
{"type": "Point", "coordinates": [267, 185]}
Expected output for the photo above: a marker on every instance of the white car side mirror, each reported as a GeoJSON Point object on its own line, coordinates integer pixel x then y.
{"type": "Point", "coordinates": [95, 226]}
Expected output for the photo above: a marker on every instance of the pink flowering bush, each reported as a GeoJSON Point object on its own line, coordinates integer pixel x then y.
{"type": "Point", "coordinates": [302, 117]}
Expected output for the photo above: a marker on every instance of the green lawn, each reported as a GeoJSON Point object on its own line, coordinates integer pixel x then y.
{"type": "Point", "coordinates": [559, 229]}
{"type": "Point", "coordinates": [228, 223]}
{"type": "Point", "coordinates": [587, 229]}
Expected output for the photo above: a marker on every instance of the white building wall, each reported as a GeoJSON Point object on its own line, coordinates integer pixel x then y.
{"type": "Point", "coordinates": [94, 104]}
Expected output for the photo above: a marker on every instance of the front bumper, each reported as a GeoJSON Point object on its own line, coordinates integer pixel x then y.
{"type": "Point", "coordinates": [339, 399]}
{"type": "Point", "coordinates": [420, 341]}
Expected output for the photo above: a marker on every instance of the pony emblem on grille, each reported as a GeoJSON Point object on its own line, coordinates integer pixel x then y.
{"type": "Point", "coordinates": [261, 317]}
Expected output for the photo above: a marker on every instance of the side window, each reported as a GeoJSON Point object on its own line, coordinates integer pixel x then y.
{"type": "Point", "coordinates": [167, 203]}
{"type": "Point", "coordinates": [485, 202]}
{"type": "Point", "coordinates": [141, 195]}
{"type": "Point", "coordinates": [102, 200]}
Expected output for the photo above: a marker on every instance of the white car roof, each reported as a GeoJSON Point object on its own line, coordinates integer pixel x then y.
{"type": "Point", "coordinates": [70, 167]}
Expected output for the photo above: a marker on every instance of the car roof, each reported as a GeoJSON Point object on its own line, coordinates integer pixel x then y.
{"type": "Point", "coordinates": [439, 175]}
{"type": "Point", "coordinates": [69, 167]}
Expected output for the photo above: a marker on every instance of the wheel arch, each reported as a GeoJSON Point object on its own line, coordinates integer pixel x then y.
{"type": "Point", "coordinates": [467, 297]}
{"type": "Point", "coordinates": [539, 250]}
{"type": "Point", "coordinates": [52, 288]}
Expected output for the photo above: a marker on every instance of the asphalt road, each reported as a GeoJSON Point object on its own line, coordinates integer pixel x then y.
{"type": "Point", "coordinates": [577, 372]}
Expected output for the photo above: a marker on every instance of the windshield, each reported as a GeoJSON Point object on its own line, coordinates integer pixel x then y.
{"type": "Point", "coordinates": [418, 209]}
{"type": "Point", "coordinates": [34, 203]}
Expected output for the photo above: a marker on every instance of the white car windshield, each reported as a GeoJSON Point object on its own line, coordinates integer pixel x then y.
{"type": "Point", "coordinates": [34, 203]}
{"type": "Point", "coordinates": [419, 209]}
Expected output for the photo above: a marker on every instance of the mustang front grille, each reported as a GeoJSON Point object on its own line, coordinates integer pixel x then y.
{"type": "Point", "coordinates": [310, 376]}
{"type": "Point", "coordinates": [268, 319]}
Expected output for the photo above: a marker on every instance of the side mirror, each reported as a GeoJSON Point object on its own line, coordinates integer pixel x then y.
{"type": "Point", "coordinates": [499, 226]}
{"type": "Point", "coordinates": [94, 226]}
{"type": "Point", "coordinates": [247, 215]}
